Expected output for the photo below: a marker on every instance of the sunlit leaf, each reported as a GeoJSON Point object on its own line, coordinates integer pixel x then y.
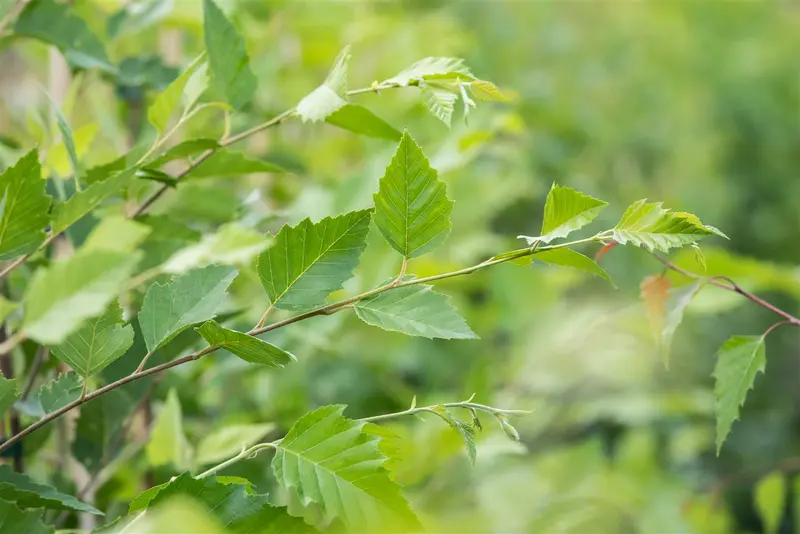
{"type": "Point", "coordinates": [655, 228]}
{"type": "Point", "coordinates": [362, 121]}
{"type": "Point", "coordinates": [249, 348]}
{"type": "Point", "coordinates": [165, 102]}
{"type": "Point", "coordinates": [330, 96]}
{"type": "Point", "coordinates": [27, 493]}
{"type": "Point", "coordinates": [23, 208]}
{"type": "Point", "coordinates": [227, 441]}
{"type": "Point", "coordinates": [565, 211]}
{"type": "Point", "coordinates": [487, 91]}
{"type": "Point", "coordinates": [426, 67]}
{"type": "Point", "coordinates": [168, 444]}
{"type": "Point", "coordinates": [770, 501]}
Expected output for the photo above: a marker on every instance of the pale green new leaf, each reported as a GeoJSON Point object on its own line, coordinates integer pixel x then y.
{"type": "Point", "coordinates": [440, 101]}
{"type": "Point", "coordinates": [27, 493]}
{"type": "Point", "coordinates": [309, 261]}
{"type": "Point", "coordinates": [223, 443]}
{"type": "Point", "coordinates": [165, 102]}
{"type": "Point", "coordinates": [655, 228]}
{"type": "Point", "coordinates": [60, 297]}
{"type": "Point", "coordinates": [232, 244]}
{"type": "Point", "coordinates": [116, 233]}
{"type": "Point", "coordinates": [185, 301]}
{"type": "Point", "coordinates": [362, 121]}
{"type": "Point", "coordinates": [98, 343]}
{"type": "Point", "coordinates": [467, 431]}
{"type": "Point", "coordinates": [487, 91]}
{"type": "Point", "coordinates": [8, 393]}
{"type": "Point", "coordinates": [23, 207]}
{"type": "Point", "coordinates": [326, 459]}
{"type": "Point", "coordinates": [566, 257]}
{"type": "Point", "coordinates": [168, 444]}
{"type": "Point", "coordinates": [565, 211]}
{"type": "Point", "coordinates": [323, 101]}
{"type": "Point", "coordinates": [770, 501]}
{"type": "Point", "coordinates": [679, 298]}
{"type": "Point", "coordinates": [228, 62]}
{"type": "Point", "coordinates": [739, 360]}
{"type": "Point", "coordinates": [59, 392]}
{"type": "Point", "coordinates": [13, 519]}
{"type": "Point", "coordinates": [249, 348]}
{"type": "Point", "coordinates": [429, 66]}
{"type": "Point", "coordinates": [415, 310]}
{"type": "Point", "coordinates": [229, 163]}
{"type": "Point", "coordinates": [67, 213]}
{"type": "Point", "coordinates": [412, 210]}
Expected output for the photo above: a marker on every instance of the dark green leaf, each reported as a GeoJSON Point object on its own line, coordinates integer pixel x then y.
{"type": "Point", "coordinates": [23, 208]}
{"type": "Point", "coordinates": [59, 392]}
{"type": "Point", "coordinates": [26, 493]}
{"type": "Point", "coordinates": [249, 348]}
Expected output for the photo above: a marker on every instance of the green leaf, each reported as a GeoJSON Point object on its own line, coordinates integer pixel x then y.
{"type": "Point", "coordinates": [651, 226]}
{"type": "Point", "coordinates": [61, 297]}
{"type": "Point", "coordinates": [12, 519]}
{"type": "Point", "coordinates": [184, 150]}
{"type": "Point", "coordinates": [8, 393]}
{"type": "Point", "coordinates": [328, 97]}
{"type": "Point", "coordinates": [467, 431]}
{"type": "Point", "coordinates": [228, 441]}
{"type": "Point", "coordinates": [168, 444]}
{"type": "Point", "coordinates": [67, 138]}
{"type": "Point", "coordinates": [228, 163]}
{"type": "Point", "coordinates": [360, 120]}
{"type": "Point", "coordinates": [233, 244]}
{"type": "Point", "coordinates": [98, 343]}
{"type": "Point", "coordinates": [412, 210]}
{"type": "Point", "coordinates": [185, 301]}
{"type": "Point", "coordinates": [227, 58]}
{"type": "Point", "coordinates": [100, 427]}
{"type": "Point", "coordinates": [415, 310]}
{"type": "Point", "coordinates": [56, 23]}
{"type": "Point", "coordinates": [440, 101]}
{"type": "Point", "coordinates": [6, 308]}
{"type": "Point", "coordinates": [65, 214]}
{"type": "Point", "coordinates": [309, 261]}
{"type": "Point", "coordinates": [27, 493]}
{"type": "Point", "coordinates": [59, 392]}
{"type": "Point", "coordinates": [565, 211]}
{"type": "Point", "coordinates": [770, 501]}
{"type": "Point", "coordinates": [679, 298]}
{"type": "Point", "coordinates": [23, 208]}
{"type": "Point", "coordinates": [326, 459]}
{"type": "Point", "coordinates": [429, 66]}
{"type": "Point", "coordinates": [116, 233]}
{"type": "Point", "coordinates": [164, 104]}
{"type": "Point", "coordinates": [565, 257]}
{"type": "Point", "coordinates": [249, 348]}
{"type": "Point", "coordinates": [487, 91]}
{"type": "Point", "coordinates": [739, 360]}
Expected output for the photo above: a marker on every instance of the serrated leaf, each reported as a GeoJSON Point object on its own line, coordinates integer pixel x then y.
{"type": "Point", "coordinates": [60, 297]}
{"type": "Point", "coordinates": [232, 244]}
{"type": "Point", "coordinates": [8, 393]}
{"type": "Point", "coordinates": [228, 62]}
{"type": "Point", "coordinates": [183, 302]}
{"type": "Point", "coordinates": [739, 360]}
{"type": "Point", "coordinates": [59, 392]}
{"type": "Point", "coordinates": [65, 214]}
{"type": "Point", "coordinates": [56, 23]}
{"type": "Point", "coordinates": [23, 208]}
{"type": "Point", "coordinates": [440, 101]}
{"type": "Point", "coordinates": [98, 343]}
{"type": "Point", "coordinates": [27, 493]}
{"type": "Point", "coordinates": [323, 101]}
{"type": "Point", "coordinates": [229, 163]}
{"type": "Point", "coordinates": [116, 233]}
{"type": "Point", "coordinates": [412, 210]}
{"type": "Point", "coordinates": [192, 147]}
{"type": "Point", "coordinates": [770, 501]}
{"type": "Point", "coordinates": [466, 430]}
{"type": "Point", "coordinates": [168, 444]}
{"type": "Point", "coordinates": [565, 211]}
{"type": "Point", "coordinates": [429, 66]}
{"type": "Point", "coordinates": [566, 257]}
{"type": "Point", "coordinates": [678, 299]}
{"type": "Point", "coordinates": [487, 91]}
{"type": "Point", "coordinates": [415, 310]}
{"type": "Point", "coordinates": [12, 519]}
{"type": "Point", "coordinates": [225, 442]}
{"type": "Point", "coordinates": [309, 261]}
{"type": "Point", "coordinates": [326, 459]}
{"type": "Point", "coordinates": [362, 121]}
{"type": "Point", "coordinates": [163, 106]}
{"type": "Point", "coordinates": [655, 228]}
{"type": "Point", "coordinates": [249, 348]}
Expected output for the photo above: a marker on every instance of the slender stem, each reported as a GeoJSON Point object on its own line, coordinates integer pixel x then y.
{"type": "Point", "coordinates": [246, 453]}
{"type": "Point", "coordinates": [143, 363]}
{"type": "Point", "coordinates": [774, 327]}
{"type": "Point", "coordinates": [403, 267]}
{"type": "Point", "coordinates": [264, 317]}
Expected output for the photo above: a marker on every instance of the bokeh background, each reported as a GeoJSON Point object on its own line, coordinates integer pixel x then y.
{"type": "Point", "coordinates": [693, 103]}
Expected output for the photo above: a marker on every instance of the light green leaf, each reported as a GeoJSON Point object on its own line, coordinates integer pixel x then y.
{"type": "Point", "coordinates": [27, 493]}
{"type": "Point", "coordinates": [249, 348]}
{"type": "Point", "coordinates": [412, 210]}
{"type": "Point", "coordinates": [56, 23]}
{"type": "Point", "coordinates": [8, 393]}
{"type": "Point", "coordinates": [12, 519]}
{"type": "Point", "coordinates": [429, 66]}
{"type": "Point", "coordinates": [565, 257]}
{"type": "Point", "coordinates": [487, 91]}
{"type": "Point", "coordinates": [196, 86]}
{"type": "Point", "coordinates": [98, 343]}
{"type": "Point", "coordinates": [228, 441]}
{"type": "Point", "coordinates": [228, 163]}
{"type": "Point", "coordinates": [168, 444]}
{"type": "Point", "coordinates": [440, 101]}
{"type": "Point", "coordinates": [65, 214]}
{"type": "Point", "coordinates": [61, 297]}
{"type": "Point", "coordinates": [360, 120]}
{"type": "Point", "coordinates": [67, 138]}
{"type": "Point", "coordinates": [6, 308]}
{"type": "Point", "coordinates": [328, 97]}
{"type": "Point", "coordinates": [415, 310]}
{"type": "Point", "coordinates": [679, 298]}
{"type": "Point", "coordinates": [309, 261]}
{"type": "Point", "coordinates": [165, 103]}
{"type": "Point", "coordinates": [60, 161]}
{"type": "Point", "coordinates": [565, 211]}
{"type": "Point", "coordinates": [233, 244]}
{"type": "Point", "coordinates": [59, 392]}
{"type": "Point", "coordinates": [185, 301]}
{"type": "Point", "coordinates": [770, 501]}
{"type": "Point", "coordinates": [467, 431]}
{"type": "Point", "coordinates": [739, 360]}
{"type": "Point", "coordinates": [116, 233]}
{"type": "Point", "coordinates": [649, 225]}
{"type": "Point", "coordinates": [23, 208]}
{"type": "Point", "coordinates": [228, 62]}
{"type": "Point", "coordinates": [184, 150]}
{"type": "Point", "coordinates": [326, 459]}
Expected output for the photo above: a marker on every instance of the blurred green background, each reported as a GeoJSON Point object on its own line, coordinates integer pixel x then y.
{"type": "Point", "coordinates": [693, 103]}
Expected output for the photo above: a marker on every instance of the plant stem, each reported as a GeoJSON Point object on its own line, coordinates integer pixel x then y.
{"type": "Point", "coordinates": [246, 453]}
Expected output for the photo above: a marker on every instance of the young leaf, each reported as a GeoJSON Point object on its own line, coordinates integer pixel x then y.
{"type": "Point", "coordinates": [61, 297]}
{"type": "Point", "coordinates": [231, 245]}
{"type": "Point", "coordinates": [227, 58]}
{"type": "Point", "coordinates": [228, 163]}
{"type": "Point", "coordinates": [118, 234]}
{"type": "Point", "coordinates": [326, 459]}
{"type": "Point", "coordinates": [23, 208]}
{"type": "Point", "coordinates": [440, 101]}
{"type": "Point", "coordinates": [185, 301]}
{"type": "Point", "coordinates": [739, 360]}
{"type": "Point", "coordinates": [566, 257]}
{"type": "Point", "coordinates": [679, 298]}
{"type": "Point", "coordinates": [98, 343]}
{"type": "Point", "coordinates": [59, 392]}
{"type": "Point", "coordinates": [323, 101]}
{"type": "Point", "coordinates": [487, 91]}
{"type": "Point", "coordinates": [414, 310]}
{"type": "Point", "coordinates": [184, 150]}
{"type": "Point", "coordinates": [565, 211]}
{"type": "Point", "coordinates": [227, 441]}
{"type": "Point", "coordinates": [429, 66]}
{"type": "Point", "coordinates": [12, 519]}
{"type": "Point", "coordinates": [27, 493]}
{"type": "Point", "coordinates": [466, 430]}
{"type": "Point", "coordinates": [412, 210]}
{"type": "Point", "coordinates": [309, 261]}
{"type": "Point", "coordinates": [168, 444]}
{"type": "Point", "coordinates": [165, 103]}
{"type": "Point", "coordinates": [360, 120]}
{"type": "Point", "coordinates": [651, 226]}
{"type": "Point", "coordinates": [8, 393]}
{"type": "Point", "coordinates": [770, 501]}
{"type": "Point", "coordinates": [67, 213]}
{"type": "Point", "coordinates": [249, 348]}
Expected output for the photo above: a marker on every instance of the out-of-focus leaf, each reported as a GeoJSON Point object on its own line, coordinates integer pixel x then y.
{"type": "Point", "coordinates": [27, 493]}
{"type": "Point", "coordinates": [8, 393]}
{"type": "Point", "coordinates": [65, 214]}
{"type": "Point", "coordinates": [565, 211]}
{"type": "Point", "coordinates": [654, 290]}
{"type": "Point", "coordinates": [655, 228]}
{"type": "Point", "coordinates": [98, 432]}
{"type": "Point", "coordinates": [429, 66]}
{"type": "Point", "coordinates": [183, 150]}
{"type": "Point", "coordinates": [362, 121]}
{"type": "Point", "coordinates": [229, 163]}
{"type": "Point", "coordinates": [227, 441]}
{"type": "Point", "coordinates": [679, 298]}
{"type": "Point", "coordinates": [770, 501]}
{"type": "Point", "coordinates": [329, 97]}
{"type": "Point", "coordinates": [566, 257]}
{"type": "Point", "coordinates": [165, 103]}
{"type": "Point", "coordinates": [487, 91]}
{"type": "Point", "coordinates": [233, 244]}
{"type": "Point", "coordinates": [6, 308]}
{"type": "Point", "coordinates": [146, 72]}
{"type": "Point", "coordinates": [249, 348]}
{"type": "Point", "coordinates": [61, 161]}
{"type": "Point", "coordinates": [12, 519]}
{"type": "Point", "coordinates": [116, 233]}
{"type": "Point", "coordinates": [228, 62]}
{"type": "Point", "coordinates": [23, 208]}
{"type": "Point", "coordinates": [59, 392]}
{"type": "Point", "coordinates": [168, 444]}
